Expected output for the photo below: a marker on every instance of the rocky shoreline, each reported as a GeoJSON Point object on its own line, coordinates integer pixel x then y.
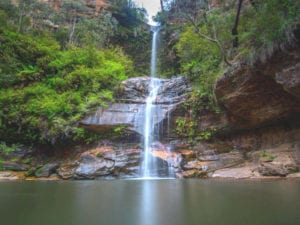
{"type": "Point", "coordinates": [119, 161]}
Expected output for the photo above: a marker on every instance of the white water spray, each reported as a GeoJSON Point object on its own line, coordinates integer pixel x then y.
{"type": "Point", "coordinates": [149, 161]}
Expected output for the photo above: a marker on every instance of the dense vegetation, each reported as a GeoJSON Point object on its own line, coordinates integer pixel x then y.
{"type": "Point", "coordinates": [201, 43]}
{"type": "Point", "coordinates": [57, 66]}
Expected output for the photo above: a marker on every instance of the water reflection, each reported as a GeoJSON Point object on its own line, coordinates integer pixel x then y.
{"type": "Point", "coordinates": [161, 203]}
{"type": "Point", "coordinates": [150, 202]}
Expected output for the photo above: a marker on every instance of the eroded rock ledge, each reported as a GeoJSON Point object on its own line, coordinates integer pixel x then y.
{"type": "Point", "coordinates": [129, 109]}
{"type": "Point", "coordinates": [263, 93]}
{"type": "Point", "coordinates": [262, 107]}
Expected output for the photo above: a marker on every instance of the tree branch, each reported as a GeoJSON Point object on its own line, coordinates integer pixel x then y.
{"type": "Point", "coordinates": [214, 40]}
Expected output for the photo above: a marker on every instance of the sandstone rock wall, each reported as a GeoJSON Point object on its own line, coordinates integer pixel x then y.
{"type": "Point", "coordinates": [263, 93]}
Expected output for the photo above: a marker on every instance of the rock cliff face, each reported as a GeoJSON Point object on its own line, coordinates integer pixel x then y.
{"type": "Point", "coordinates": [262, 115]}
{"type": "Point", "coordinates": [130, 109]}
{"type": "Point", "coordinates": [263, 93]}
{"type": "Point", "coordinates": [94, 5]}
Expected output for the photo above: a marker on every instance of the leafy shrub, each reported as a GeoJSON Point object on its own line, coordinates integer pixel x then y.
{"type": "Point", "coordinates": [5, 149]}
{"type": "Point", "coordinates": [23, 58]}
{"type": "Point", "coordinates": [185, 128]}
{"type": "Point", "coordinates": [267, 155]}
{"type": "Point", "coordinates": [201, 60]}
{"type": "Point", "coordinates": [53, 89]}
{"type": "Point", "coordinates": [268, 26]}
{"type": "Point", "coordinates": [262, 29]}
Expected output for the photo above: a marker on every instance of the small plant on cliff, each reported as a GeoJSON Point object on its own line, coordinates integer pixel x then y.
{"type": "Point", "coordinates": [267, 155]}
{"type": "Point", "coordinates": [185, 128]}
{"type": "Point", "coordinates": [119, 129]}
{"type": "Point", "coordinates": [204, 135]}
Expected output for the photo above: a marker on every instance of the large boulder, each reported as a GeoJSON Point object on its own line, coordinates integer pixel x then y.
{"type": "Point", "coordinates": [91, 167]}
{"type": "Point", "coordinates": [270, 169]}
{"type": "Point", "coordinates": [46, 170]}
{"type": "Point", "coordinates": [102, 162]}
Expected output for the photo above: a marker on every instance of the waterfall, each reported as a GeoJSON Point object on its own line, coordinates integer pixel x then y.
{"type": "Point", "coordinates": [149, 164]}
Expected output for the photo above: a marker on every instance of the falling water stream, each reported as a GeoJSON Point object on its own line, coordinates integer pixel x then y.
{"type": "Point", "coordinates": [149, 164]}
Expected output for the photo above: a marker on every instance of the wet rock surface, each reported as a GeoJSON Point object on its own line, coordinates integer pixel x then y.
{"type": "Point", "coordinates": [102, 162]}
{"type": "Point", "coordinates": [137, 89]}
{"type": "Point", "coordinates": [205, 160]}
{"type": "Point", "coordinates": [129, 111]}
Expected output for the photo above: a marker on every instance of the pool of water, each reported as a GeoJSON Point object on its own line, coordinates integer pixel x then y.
{"type": "Point", "coordinates": [150, 202]}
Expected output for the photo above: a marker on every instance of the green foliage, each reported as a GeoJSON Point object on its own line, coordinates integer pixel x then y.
{"type": "Point", "coordinates": [267, 155]}
{"type": "Point", "coordinates": [56, 66]}
{"type": "Point", "coordinates": [185, 128]}
{"type": "Point", "coordinates": [30, 172]}
{"type": "Point", "coordinates": [205, 134]}
{"type": "Point", "coordinates": [120, 129]}
{"type": "Point", "coordinates": [23, 58]}
{"type": "Point", "coordinates": [270, 25]}
{"type": "Point", "coordinates": [6, 150]}
{"type": "Point", "coordinates": [1, 164]}
{"type": "Point", "coordinates": [51, 90]}
{"type": "Point", "coordinates": [188, 129]}
{"type": "Point", "coordinates": [96, 31]}
{"type": "Point", "coordinates": [15, 159]}
{"type": "Point", "coordinates": [27, 160]}
{"type": "Point", "coordinates": [132, 33]}
{"type": "Point", "coordinates": [205, 37]}
{"type": "Point", "coordinates": [197, 55]}
{"type": "Point", "coordinates": [201, 60]}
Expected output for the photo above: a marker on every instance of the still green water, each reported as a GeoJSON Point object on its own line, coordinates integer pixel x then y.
{"type": "Point", "coordinates": [150, 202]}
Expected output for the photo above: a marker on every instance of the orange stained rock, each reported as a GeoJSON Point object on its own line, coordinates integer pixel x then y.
{"type": "Point", "coordinates": [164, 154]}
{"type": "Point", "coordinates": [96, 4]}
{"type": "Point", "coordinates": [187, 152]}
{"type": "Point", "coordinates": [98, 150]}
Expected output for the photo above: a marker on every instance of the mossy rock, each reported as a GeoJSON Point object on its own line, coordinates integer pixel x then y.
{"type": "Point", "coordinates": [30, 172]}
{"type": "Point", "coordinates": [27, 160]}
{"type": "Point", "coordinates": [46, 170]}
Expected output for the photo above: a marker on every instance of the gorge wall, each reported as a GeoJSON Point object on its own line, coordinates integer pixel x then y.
{"type": "Point", "coordinates": [256, 135]}
{"type": "Point", "coordinates": [261, 119]}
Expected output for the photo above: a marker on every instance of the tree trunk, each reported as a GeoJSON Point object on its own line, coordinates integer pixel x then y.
{"type": "Point", "coordinates": [72, 31]}
{"type": "Point", "coordinates": [20, 19]}
{"type": "Point", "coordinates": [162, 5]}
{"type": "Point", "coordinates": [236, 24]}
